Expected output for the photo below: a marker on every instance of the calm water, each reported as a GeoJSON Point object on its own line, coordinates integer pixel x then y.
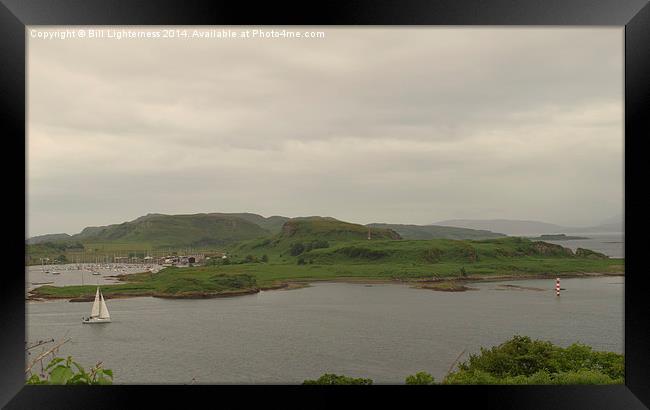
{"type": "Point", "coordinates": [384, 332]}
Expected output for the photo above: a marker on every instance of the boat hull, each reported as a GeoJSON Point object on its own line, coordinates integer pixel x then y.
{"type": "Point", "coordinates": [96, 320]}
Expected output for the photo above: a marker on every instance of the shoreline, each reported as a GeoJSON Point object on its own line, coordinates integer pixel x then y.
{"type": "Point", "coordinates": [431, 284]}
{"type": "Point", "coordinates": [452, 284]}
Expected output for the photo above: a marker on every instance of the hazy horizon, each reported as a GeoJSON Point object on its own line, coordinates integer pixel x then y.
{"type": "Point", "coordinates": [394, 125]}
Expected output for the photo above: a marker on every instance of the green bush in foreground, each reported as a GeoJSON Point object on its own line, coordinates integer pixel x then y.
{"type": "Point", "coordinates": [67, 371]}
{"type": "Point", "coordinates": [521, 360]}
{"type": "Point", "coordinates": [420, 378]}
{"type": "Point", "coordinates": [331, 379]}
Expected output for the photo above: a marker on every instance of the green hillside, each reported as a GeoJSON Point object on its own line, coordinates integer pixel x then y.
{"type": "Point", "coordinates": [47, 238]}
{"type": "Point", "coordinates": [321, 251]}
{"type": "Point", "coordinates": [155, 231]}
{"type": "Point", "coordinates": [272, 262]}
{"type": "Point", "coordinates": [160, 231]}
{"type": "Point", "coordinates": [178, 231]}
{"type": "Point", "coordinates": [437, 232]}
{"type": "Point", "coordinates": [55, 251]}
{"type": "Point", "coordinates": [317, 227]}
{"type": "Point", "coordinates": [272, 224]}
{"type": "Point", "coordinates": [312, 232]}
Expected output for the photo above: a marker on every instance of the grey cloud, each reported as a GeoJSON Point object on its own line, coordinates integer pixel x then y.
{"type": "Point", "coordinates": [369, 124]}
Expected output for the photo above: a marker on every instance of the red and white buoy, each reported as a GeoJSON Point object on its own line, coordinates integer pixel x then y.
{"type": "Point", "coordinates": [557, 287]}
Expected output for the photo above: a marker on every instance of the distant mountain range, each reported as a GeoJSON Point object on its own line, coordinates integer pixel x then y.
{"type": "Point", "coordinates": [523, 227]}
{"type": "Point", "coordinates": [219, 229]}
{"type": "Point", "coordinates": [158, 230]}
{"type": "Point", "coordinates": [210, 229]}
{"type": "Point", "coordinates": [50, 237]}
{"type": "Point", "coordinates": [438, 232]}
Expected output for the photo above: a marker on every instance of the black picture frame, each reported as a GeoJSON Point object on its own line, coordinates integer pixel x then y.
{"type": "Point", "coordinates": [634, 15]}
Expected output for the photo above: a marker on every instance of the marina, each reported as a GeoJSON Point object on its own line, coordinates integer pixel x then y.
{"type": "Point", "coordinates": [81, 274]}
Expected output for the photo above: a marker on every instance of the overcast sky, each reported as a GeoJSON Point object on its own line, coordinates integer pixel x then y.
{"type": "Point", "coordinates": [401, 125]}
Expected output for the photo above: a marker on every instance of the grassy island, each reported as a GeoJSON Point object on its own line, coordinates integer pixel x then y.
{"type": "Point", "coordinates": [169, 282]}
{"type": "Point", "coordinates": [325, 249]}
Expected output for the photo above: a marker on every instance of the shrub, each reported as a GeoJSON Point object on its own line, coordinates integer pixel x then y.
{"type": "Point", "coordinates": [67, 371]}
{"type": "Point", "coordinates": [297, 249]}
{"type": "Point", "coordinates": [521, 360]}
{"type": "Point", "coordinates": [221, 281]}
{"type": "Point", "coordinates": [261, 243]}
{"type": "Point", "coordinates": [332, 379]}
{"type": "Point", "coordinates": [318, 244]}
{"type": "Point", "coordinates": [420, 378]}
{"type": "Point", "coordinates": [589, 254]}
{"type": "Point", "coordinates": [433, 255]}
{"type": "Point", "coordinates": [365, 253]}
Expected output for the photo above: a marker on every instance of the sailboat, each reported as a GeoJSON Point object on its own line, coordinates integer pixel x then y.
{"type": "Point", "coordinates": [99, 313]}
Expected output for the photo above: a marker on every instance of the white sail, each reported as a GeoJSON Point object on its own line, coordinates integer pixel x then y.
{"type": "Point", "coordinates": [103, 310]}
{"type": "Point", "coordinates": [95, 311]}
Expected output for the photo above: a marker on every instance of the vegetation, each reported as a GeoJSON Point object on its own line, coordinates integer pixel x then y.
{"type": "Point", "coordinates": [48, 238]}
{"type": "Point", "coordinates": [334, 379]}
{"type": "Point", "coordinates": [299, 247]}
{"type": "Point", "coordinates": [445, 286]}
{"type": "Point", "coordinates": [521, 360]}
{"type": "Point", "coordinates": [67, 371]}
{"type": "Point", "coordinates": [332, 230]}
{"type": "Point", "coordinates": [421, 378]}
{"type": "Point", "coordinates": [169, 282]}
{"type": "Point", "coordinates": [588, 253]}
{"type": "Point", "coordinates": [349, 258]}
{"type": "Point", "coordinates": [325, 241]}
{"type": "Point", "coordinates": [55, 251]}
{"type": "Point", "coordinates": [272, 224]}
{"type": "Point", "coordinates": [525, 361]}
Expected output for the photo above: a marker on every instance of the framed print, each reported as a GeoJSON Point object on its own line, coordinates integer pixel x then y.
{"type": "Point", "coordinates": [271, 204]}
